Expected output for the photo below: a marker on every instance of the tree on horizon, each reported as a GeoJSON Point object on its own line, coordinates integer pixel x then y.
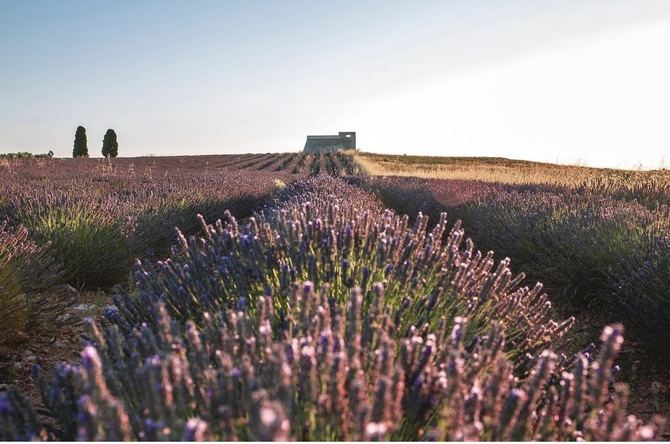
{"type": "Point", "coordinates": [110, 146]}
{"type": "Point", "coordinates": [80, 143]}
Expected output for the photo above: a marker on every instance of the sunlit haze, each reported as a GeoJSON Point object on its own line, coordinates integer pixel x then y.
{"type": "Point", "coordinates": [561, 81]}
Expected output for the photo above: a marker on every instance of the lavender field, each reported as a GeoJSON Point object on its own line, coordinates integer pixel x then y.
{"type": "Point", "coordinates": [292, 297]}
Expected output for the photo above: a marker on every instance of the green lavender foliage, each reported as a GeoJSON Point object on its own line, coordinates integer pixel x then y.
{"type": "Point", "coordinates": [26, 272]}
{"type": "Point", "coordinates": [641, 287]}
{"type": "Point", "coordinates": [83, 233]}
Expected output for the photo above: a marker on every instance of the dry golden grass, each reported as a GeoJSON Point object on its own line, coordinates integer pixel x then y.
{"type": "Point", "coordinates": [495, 169]}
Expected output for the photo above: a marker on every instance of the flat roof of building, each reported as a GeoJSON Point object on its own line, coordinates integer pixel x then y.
{"type": "Point", "coordinates": [335, 136]}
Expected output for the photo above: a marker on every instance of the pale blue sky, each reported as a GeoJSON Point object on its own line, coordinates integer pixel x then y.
{"type": "Point", "coordinates": [570, 81]}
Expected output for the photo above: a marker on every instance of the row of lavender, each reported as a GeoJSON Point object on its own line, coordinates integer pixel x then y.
{"type": "Point", "coordinates": [304, 164]}
{"type": "Point", "coordinates": [86, 229]}
{"type": "Point", "coordinates": [327, 317]}
{"type": "Point", "coordinates": [602, 247]}
{"type": "Point", "coordinates": [284, 164]}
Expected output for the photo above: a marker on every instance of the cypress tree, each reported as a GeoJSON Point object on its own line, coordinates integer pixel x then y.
{"type": "Point", "coordinates": [80, 144]}
{"type": "Point", "coordinates": [110, 147]}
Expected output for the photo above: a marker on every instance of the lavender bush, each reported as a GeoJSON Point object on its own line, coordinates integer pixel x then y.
{"type": "Point", "coordinates": [651, 189]}
{"type": "Point", "coordinates": [322, 373]}
{"type": "Point", "coordinates": [26, 271]}
{"type": "Point", "coordinates": [83, 233]}
{"type": "Point", "coordinates": [175, 204]}
{"type": "Point", "coordinates": [593, 251]}
{"type": "Point", "coordinates": [642, 291]}
{"type": "Point", "coordinates": [326, 232]}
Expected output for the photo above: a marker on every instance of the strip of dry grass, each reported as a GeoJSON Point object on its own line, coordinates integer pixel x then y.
{"type": "Point", "coordinates": [494, 169]}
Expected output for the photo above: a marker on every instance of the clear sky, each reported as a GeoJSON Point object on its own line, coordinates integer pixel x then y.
{"type": "Point", "coordinates": [577, 81]}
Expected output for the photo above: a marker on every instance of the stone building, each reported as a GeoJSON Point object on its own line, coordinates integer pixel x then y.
{"type": "Point", "coordinates": [341, 141]}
